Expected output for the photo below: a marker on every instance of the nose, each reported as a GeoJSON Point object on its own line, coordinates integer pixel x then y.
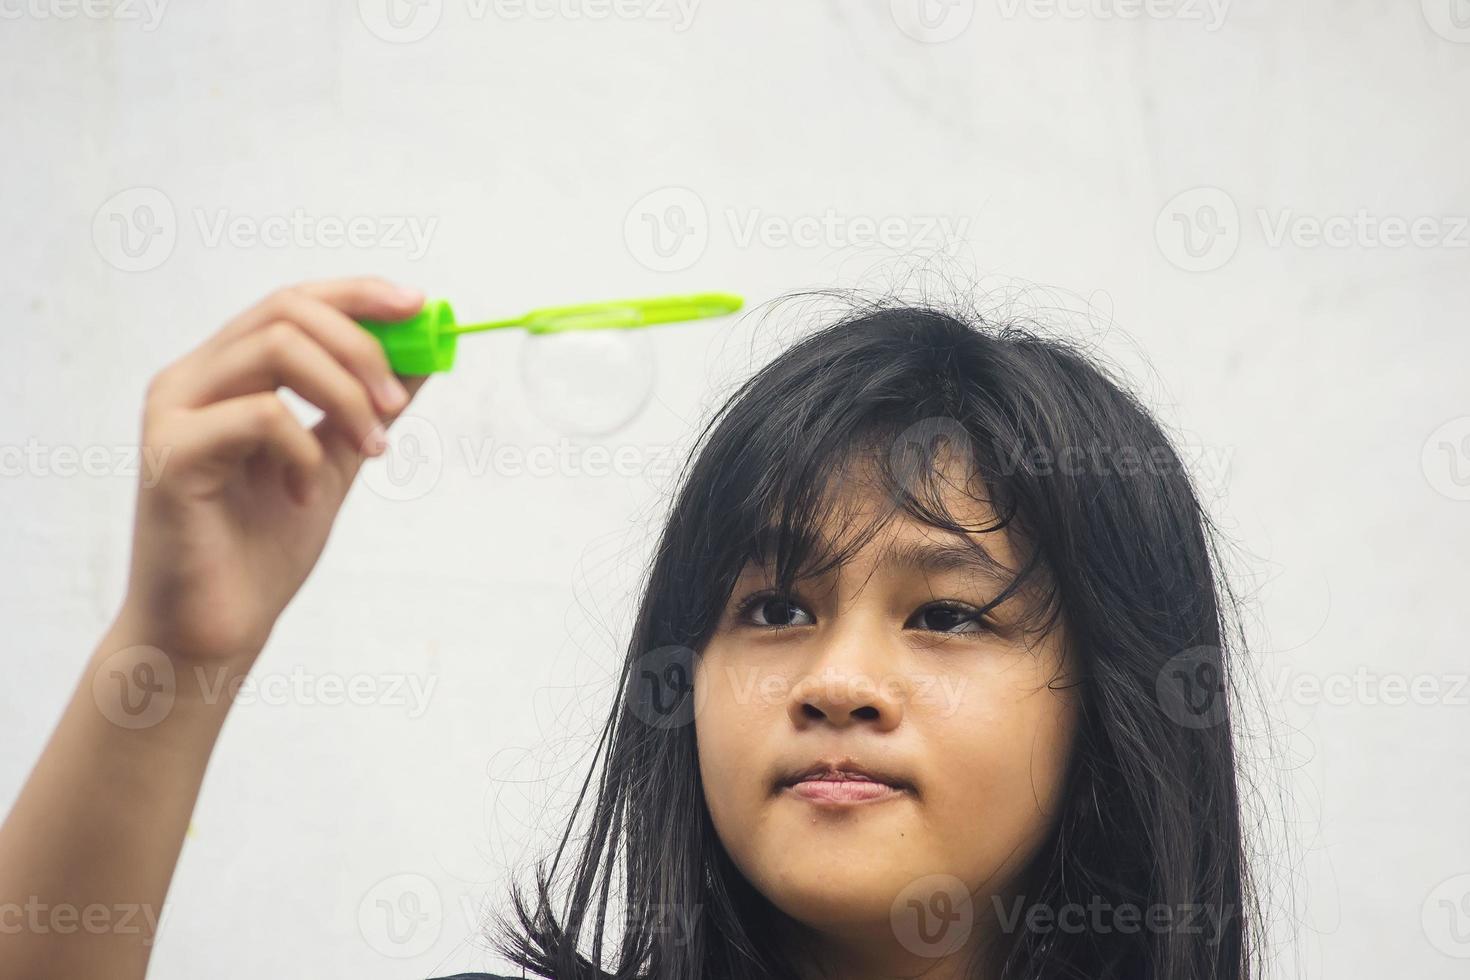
{"type": "Point", "coordinates": [852, 679]}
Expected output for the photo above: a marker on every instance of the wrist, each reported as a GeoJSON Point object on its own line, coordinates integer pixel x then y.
{"type": "Point", "coordinates": [216, 637]}
{"type": "Point", "coordinates": [140, 674]}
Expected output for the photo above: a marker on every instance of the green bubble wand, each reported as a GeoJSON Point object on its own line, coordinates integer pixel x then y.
{"type": "Point", "coordinates": [426, 342]}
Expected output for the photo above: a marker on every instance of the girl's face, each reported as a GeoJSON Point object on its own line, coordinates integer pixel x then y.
{"type": "Point", "coordinates": [879, 663]}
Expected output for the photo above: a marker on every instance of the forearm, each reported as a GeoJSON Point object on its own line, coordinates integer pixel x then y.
{"type": "Point", "coordinates": [223, 536]}
{"type": "Point", "coordinates": [88, 850]}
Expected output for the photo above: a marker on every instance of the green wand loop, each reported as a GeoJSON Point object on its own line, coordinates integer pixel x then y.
{"type": "Point", "coordinates": [426, 342]}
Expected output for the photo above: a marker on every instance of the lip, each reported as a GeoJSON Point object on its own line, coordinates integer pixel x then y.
{"type": "Point", "coordinates": [846, 792]}
{"type": "Point", "coordinates": [843, 782]}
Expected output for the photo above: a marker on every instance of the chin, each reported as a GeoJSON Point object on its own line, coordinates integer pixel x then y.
{"type": "Point", "coordinates": [833, 905]}
{"type": "Point", "coordinates": [833, 887]}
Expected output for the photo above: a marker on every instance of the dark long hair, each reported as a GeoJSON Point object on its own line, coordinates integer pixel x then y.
{"type": "Point", "coordinates": [1119, 549]}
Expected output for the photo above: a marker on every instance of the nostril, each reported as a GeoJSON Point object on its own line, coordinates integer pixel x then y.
{"type": "Point", "coordinates": [865, 713]}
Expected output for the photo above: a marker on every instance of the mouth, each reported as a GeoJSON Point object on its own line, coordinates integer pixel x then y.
{"type": "Point", "coordinates": [843, 782]}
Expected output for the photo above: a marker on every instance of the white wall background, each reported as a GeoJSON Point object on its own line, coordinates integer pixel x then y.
{"type": "Point", "coordinates": [1323, 386]}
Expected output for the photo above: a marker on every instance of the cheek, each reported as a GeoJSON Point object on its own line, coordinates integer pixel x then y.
{"type": "Point", "coordinates": [732, 721]}
{"type": "Point", "coordinates": [992, 745]}
{"type": "Point", "coordinates": [997, 758]}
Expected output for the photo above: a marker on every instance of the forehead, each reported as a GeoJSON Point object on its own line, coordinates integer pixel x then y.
{"type": "Point", "coordinates": [862, 518]}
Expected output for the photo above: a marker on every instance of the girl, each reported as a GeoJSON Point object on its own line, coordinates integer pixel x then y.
{"type": "Point", "coordinates": [927, 679]}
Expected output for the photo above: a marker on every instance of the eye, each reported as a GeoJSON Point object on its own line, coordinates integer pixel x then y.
{"type": "Point", "coordinates": [775, 610]}
{"type": "Point", "coordinates": [944, 617]}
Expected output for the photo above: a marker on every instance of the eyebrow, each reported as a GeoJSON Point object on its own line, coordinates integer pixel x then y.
{"type": "Point", "coordinates": [931, 556]}
{"type": "Point", "coordinates": [927, 556]}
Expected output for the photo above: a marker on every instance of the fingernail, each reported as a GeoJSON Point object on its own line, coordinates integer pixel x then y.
{"type": "Point", "coordinates": [411, 296]}
{"type": "Point", "coordinates": [377, 441]}
{"type": "Point", "coordinates": [392, 394]}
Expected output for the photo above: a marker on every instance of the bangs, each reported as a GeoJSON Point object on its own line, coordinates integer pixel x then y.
{"type": "Point", "coordinates": [796, 512]}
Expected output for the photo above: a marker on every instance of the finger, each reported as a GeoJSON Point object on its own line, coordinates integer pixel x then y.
{"type": "Point", "coordinates": [367, 298]}
{"type": "Point", "coordinates": [281, 354]}
{"type": "Point", "coordinates": [341, 451]}
{"type": "Point", "coordinates": [223, 433]}
{"type": "Point", "coordinates": [359, 298]}
{"type": "Point", "coordinates": [364, 298]}
{"type": "Point", "coordinates": [348, 342]}
{"type": "Point", "coordinates": [411, 384]}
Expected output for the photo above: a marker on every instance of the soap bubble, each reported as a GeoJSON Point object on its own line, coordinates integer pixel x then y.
{"type": "Point", "coordinates": [587, 382]}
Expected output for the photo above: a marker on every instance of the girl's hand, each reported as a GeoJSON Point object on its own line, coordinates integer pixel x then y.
{"type": "Point", "coordinates": [236, 508]}
{"type": "Point", "coordinates": [233, 511]}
